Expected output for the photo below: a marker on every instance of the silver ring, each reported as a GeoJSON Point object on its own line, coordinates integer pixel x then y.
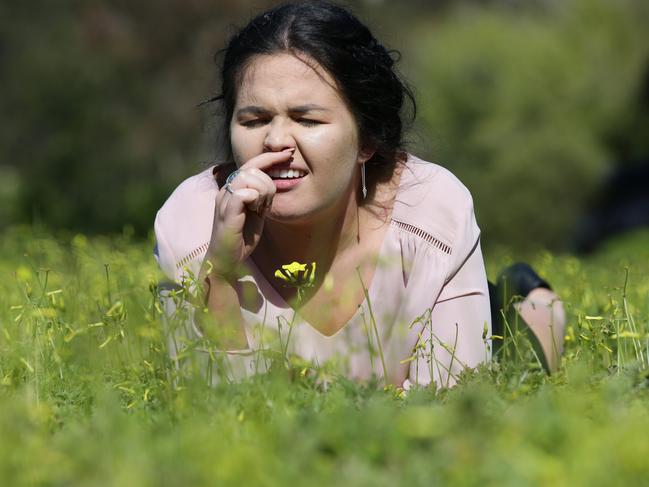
{"type": "Point", "coordinates": [231, 177]}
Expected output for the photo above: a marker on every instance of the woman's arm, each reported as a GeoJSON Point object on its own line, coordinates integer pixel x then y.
{"type": "Point", "coordinates": [220, 317]}
{"type": "Point", "coordinates": [210, 309]}
{"type": "Point", "coordinates": [213, 310]}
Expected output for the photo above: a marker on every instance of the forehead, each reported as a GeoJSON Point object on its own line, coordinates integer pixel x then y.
{"type": "Point", "coordinates": [287, 76]}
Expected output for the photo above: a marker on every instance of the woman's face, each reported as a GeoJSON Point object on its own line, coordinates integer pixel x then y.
{"type": "Point", "coordinates": [283, 102]}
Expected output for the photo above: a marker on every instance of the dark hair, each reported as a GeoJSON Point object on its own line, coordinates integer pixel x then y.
{"type": "Point", "coordinates": [362, 68]}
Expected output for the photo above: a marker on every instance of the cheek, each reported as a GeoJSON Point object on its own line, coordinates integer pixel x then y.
{"type": "Point", "coordinates": [336, 147]}
{"type": "Point", "coordinates": [242, 144]}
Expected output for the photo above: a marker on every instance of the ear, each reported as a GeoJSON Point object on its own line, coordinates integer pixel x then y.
{"type": "Point", "coordinates": [365, 153]}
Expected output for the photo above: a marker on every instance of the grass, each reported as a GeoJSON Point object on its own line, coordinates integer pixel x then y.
{"type": "Point", "coordinates": [88, 395]}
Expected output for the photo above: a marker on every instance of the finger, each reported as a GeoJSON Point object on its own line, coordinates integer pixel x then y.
{"type": "Point", "coordinates": [267, 180]}
{"type": "Point", "coordinates": [254, 181]}
{"type": "Point", "coordinates": [266, 160]}
{"type": "Point", "coordinates": [236, 203]}
{"type": "Point", "coordinates": [269, 188]}
{"type": "Point", "coordinates": [252, 178]}
{"type": "Point", "coordinates": [228, 205]}
{"type": "Point", "coordinates": [242, 181]}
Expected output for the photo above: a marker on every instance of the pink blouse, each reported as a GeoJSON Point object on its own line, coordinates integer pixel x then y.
{"type": "Point", "coordinates": [427, 317]}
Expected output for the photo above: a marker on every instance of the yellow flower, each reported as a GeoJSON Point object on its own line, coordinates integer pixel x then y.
{"type": "Point", "coordinates": [297, 275]}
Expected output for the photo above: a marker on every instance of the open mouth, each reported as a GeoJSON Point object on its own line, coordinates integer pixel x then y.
{"type": "Point", "coordinates": [286, 173]}
{"type": "Point", "coordinates": [286, 179]}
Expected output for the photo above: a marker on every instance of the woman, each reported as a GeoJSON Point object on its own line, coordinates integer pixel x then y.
{"type": "Point", "coordinates": [317, 173]}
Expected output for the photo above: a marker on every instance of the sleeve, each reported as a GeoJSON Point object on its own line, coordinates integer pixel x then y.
{"type": "Point", "coordinates": [186, 344]}
{"type": "Point", "coordinates": [455, 336]}
{"type": "Point", "coordinates": [162, 252]}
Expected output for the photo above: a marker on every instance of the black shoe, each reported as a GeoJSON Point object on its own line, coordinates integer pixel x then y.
{"type": "Point", "coordinates": [513, 285]}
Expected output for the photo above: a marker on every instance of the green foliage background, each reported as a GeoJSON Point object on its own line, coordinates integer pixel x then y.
{"type": "Point", "coordinates": [530, 103]}
{"type": "Point", "coordinates": [525, 107]}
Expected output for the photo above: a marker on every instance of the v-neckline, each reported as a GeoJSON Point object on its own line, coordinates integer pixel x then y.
{"type": "Point", "coordinates": [279, 302]}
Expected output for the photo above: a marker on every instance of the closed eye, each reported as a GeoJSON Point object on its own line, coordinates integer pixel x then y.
{"type": "Point", "coordinates": [255, 122]}
{"type": "Point", "coordinates": [258, 122]}
{"type": "Point", "coordinates": [308, 122]}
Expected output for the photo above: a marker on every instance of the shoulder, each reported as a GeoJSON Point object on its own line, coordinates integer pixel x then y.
{"type": "Point", "coordinates": [192, 190]}
{"type": "Point", "coordinates": [433, 199]}
{"type": "Point", "coordinates": [183, 224]}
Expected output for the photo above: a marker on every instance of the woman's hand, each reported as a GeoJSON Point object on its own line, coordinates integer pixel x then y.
{"type": "Point", "coordinates": [239, 216]}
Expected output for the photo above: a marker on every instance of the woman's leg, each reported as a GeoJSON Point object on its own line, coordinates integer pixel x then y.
{"type": "Point", "coordinates": [523, 302]}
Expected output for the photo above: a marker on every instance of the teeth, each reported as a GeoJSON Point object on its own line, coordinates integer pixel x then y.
{"type": "Point", "coordinates": [286, 173]}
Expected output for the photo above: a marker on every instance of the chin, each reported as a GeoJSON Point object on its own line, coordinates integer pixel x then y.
{"type": "Point", "coordinates": [286, 217]}
{"type": "Point", "coordinates": [289, 215]}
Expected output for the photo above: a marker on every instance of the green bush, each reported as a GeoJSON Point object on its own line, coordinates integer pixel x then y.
{"type": "Point", "coordinates": [520, 105]}
{"type": "Point", "coordinates": [518, 98]}
{"type": "Point", "coordinates": [99, 105]}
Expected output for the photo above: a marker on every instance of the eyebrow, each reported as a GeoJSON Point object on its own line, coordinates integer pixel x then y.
{"type": "Point", "coordinates": [257, 110]}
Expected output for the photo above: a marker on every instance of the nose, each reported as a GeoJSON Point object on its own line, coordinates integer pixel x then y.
{"type": "Point", "coordinates": [278, 137]}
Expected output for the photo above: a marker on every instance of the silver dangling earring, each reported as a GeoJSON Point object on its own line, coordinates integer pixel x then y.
{"type": "Point", "coordinates": [363, 186]}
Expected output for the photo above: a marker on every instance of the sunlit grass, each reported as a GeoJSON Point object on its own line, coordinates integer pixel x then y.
{"type": "Point", "coordinates": [88, 394]}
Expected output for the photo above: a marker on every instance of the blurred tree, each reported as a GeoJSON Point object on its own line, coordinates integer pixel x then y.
{"type": "Point", "coordinates": [522, 99]}
{"type": "Point", "coordinates": [519, 104]}
{"type": "Point", "coordinates": [99, 104]}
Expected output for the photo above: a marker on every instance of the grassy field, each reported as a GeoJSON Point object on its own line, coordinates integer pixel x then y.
{"type": "Point", "coordinates": [88, 395]}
